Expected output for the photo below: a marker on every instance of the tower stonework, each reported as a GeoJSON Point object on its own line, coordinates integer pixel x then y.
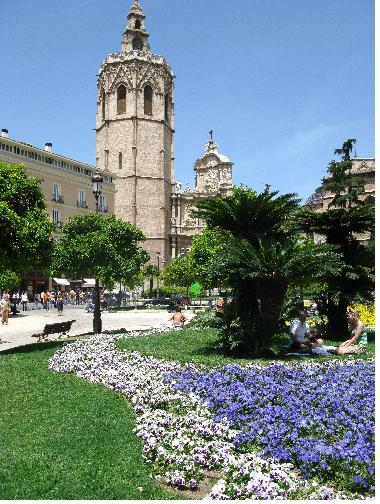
{"type": "Point", "coordinates": [135, 133]}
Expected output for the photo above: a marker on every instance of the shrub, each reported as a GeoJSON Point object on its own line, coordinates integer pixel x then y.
{"type": "Point", "coordinates": [204, 320]}
{"type": "Point", "coordinates": [366, 313]}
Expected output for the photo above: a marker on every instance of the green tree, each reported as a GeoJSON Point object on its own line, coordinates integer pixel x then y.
{"type": "Point", "coordinates": [261, 258]}
{"type": "Point", "coordinates": [180, 272]}
{"type": "Point", "coordinates": [151, 272]}
{"type": "Point", "coordinates": [346, 218]}
{"type": "Point", "coordinates": [25, 229]}
{"type": "Point", "coordinates": [104, 247]}
{"type": "Point", "coordinates": [205, 250]}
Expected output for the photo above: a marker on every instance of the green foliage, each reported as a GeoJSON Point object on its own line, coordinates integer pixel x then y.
{"type": "Point", "coordinates": [345, 185]}
{"type": "Point", "coordinates": [260, 257]}
{"type": "Point", "coordinates": [150, 271]}
{"type": "Point", "coordinates": [248, 214]}
{"type": "Point", "coordinates": [206, 248]}
{"type": "Point", "coordinates": [204, 320]}
{"type": "Point", "coordinates": [9, 279]}
{"type": "Point", "coordinates": [195, 289]}
{"type": "Point", "coordinates": [166, 290]}
{"type": "Point", "coordinates": [180, 272]}
{"type": "Point", "coordinates": [340, 225]}
{"type": "Point", "coordinates": [25, 230]}
{"type": "Point", "coordinates": [103, 247]}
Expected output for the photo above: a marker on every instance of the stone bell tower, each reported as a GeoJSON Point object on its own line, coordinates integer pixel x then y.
{"type": "Point", "coordinates": [135, 132]}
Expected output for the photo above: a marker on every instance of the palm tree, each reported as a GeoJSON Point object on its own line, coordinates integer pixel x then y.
{"type": "Point", "coordinates": [262, 255]}
{"type": "Point", "coordinates": [151, 272]}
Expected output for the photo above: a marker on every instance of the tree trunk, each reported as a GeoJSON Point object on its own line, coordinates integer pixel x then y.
{"type": "Point", "coordinates": [150, 286]}
{"type": "Point", "coordinates": [271, 293]}
{"type": "Point", "coordinates": [97, 322]}
{"type": "Point", "coordinates": [337, 328]}
{"type": "Point", "coordinates": [247, 310]}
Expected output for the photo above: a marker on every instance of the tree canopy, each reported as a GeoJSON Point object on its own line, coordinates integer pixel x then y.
{"type": "Point", "coordinates": [106, 248]}
{"type": "Point", "coordinates": [342, 224]}
{"type": "Point", "coordinates": [260, 257]}
{"type": "Point", "coordinates": [25, 229]}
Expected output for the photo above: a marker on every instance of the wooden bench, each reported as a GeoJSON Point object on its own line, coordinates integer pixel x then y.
{"type": "Point", "coordinates": [61, 328]}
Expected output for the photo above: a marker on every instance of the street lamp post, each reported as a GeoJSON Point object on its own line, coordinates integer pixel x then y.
{"type": "Point", "coordinates": [158, 273]}
{"type": "Point", "coordinates": [97, 181]}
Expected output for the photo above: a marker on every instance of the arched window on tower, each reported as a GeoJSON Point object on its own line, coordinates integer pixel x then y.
{"type": "Point", "coordinates": [120, 160]}
{"type": "Point", "coordinates": [137, 24]}
{"type": "Point", "coordinates": [103, 105]}
{"type": "Point", "coordinates": [148, 100]}
{"type": "Point", "coordinates": [121, 99]}
{"type": "Point", "coordinates": [166, 107]}
{"type": "Point", "coordinates": [137, 44]}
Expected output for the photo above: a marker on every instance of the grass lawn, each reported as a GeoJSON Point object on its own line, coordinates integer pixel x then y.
{"type": "Point", "coordinates": [66, 438]}
{"type": "Point", "coordinates": [198, 346]}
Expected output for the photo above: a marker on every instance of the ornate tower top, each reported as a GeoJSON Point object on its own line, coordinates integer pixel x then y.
{"type": "Point", "coordinates": [213, 172]}
{"type": "Point", "coordinates": [135, 37]}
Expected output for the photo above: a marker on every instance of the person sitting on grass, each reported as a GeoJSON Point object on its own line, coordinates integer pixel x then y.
{"type": "Point", "coordinates": [358, 341]}
{"type": "Point", "coordinates": [178, 319]}
{"type": "Point", "coordinates": [314, 341]}
{"type": "Point", "coordinates": [298, 332]}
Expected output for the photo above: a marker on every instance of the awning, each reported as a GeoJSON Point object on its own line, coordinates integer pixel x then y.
{"type": "Point", "coordinates": [88, 282]}
{"type": "Point", "coordinates": [61, 281]}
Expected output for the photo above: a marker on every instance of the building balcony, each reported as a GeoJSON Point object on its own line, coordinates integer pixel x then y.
{"type": "Point", "coordinates": [57, 198]}
{"type": "Point", "coordinates": [82, 204]}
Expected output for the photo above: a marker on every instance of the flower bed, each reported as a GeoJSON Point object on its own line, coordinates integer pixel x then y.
{"type": "Point", "coordinates": [318, 417]}
{"type": "Point", "coordinates": [187, 432]}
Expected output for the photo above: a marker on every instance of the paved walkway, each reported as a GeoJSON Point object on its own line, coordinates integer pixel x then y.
{"type": "Point", "coordinates": [20, 328]}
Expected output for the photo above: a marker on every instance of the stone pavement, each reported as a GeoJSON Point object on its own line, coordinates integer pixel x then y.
{"type": "Point", "coordinates": [20, 328]}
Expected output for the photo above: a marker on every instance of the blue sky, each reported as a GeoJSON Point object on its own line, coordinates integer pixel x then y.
{"type": "Point", "coordinates": [281, 82]}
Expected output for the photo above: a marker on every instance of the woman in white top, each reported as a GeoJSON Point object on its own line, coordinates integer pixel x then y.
{"type": "Point", "coordinates": [24, 300]}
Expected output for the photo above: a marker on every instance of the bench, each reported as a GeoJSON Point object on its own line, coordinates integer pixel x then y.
{"type": "Point", "coordinates": [61, 328]}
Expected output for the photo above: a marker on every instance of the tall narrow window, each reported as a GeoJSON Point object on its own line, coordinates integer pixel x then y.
{"type": "Point", "coordinates": [148, 99]}
{"type": "Point", "coordinates": [56, 216]}
{"type": "Point", "coordinates": [120, 160]}
{"type": "Point", "coordinates": [166, 107]}
{"type": "Point", "coordinates": [56, 196]}
{"type": "Point", "coordinates": [103, 105]}
{"type": "Point", "coordinates": [137, 44]}
{"type": "Point", "coordinates": [137, 24]}
{"type": "Point", "coordinates": [121, 99]}
{"type": "Point", "coordinates": [106, 158]}
{"type": "Point", "coordinates": [82, 199]}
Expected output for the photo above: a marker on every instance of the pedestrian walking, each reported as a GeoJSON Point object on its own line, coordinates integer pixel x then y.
{"type": "Point", "coordinates": [24, 301]}
{"type": "Point", "coordinates": [46, 301]}
{"type": "Point", "coordinates": [60, 304]}
{"type": "Point", "coordinates": [36, 300]}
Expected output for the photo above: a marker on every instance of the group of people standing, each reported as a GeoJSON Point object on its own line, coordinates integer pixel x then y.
{"type": "Point", "coordinates": [304, 338]}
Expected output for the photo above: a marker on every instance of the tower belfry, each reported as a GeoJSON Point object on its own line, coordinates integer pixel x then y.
{"type": "Point", "coordinates": [135, 36]}
{"type": "Point", "coordinates": [135, 132]}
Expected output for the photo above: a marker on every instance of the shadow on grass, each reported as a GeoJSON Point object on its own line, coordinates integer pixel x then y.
{"type": "Point", "coordinates": [32, 347]}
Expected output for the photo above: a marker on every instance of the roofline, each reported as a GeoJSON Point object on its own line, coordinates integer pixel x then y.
{"type": "Point", "coordinates": [44, 152]}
